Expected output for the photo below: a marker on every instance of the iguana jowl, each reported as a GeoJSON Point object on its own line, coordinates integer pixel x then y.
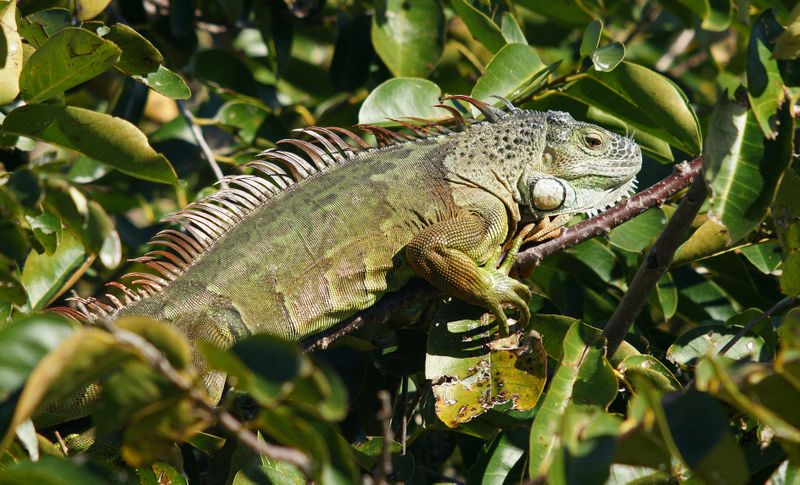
{"type": "Point", "coordinates": [297, 252]}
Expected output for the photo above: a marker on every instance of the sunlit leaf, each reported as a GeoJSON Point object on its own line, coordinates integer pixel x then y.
{"type": "Point", "coordinates": [716, 14]}
{"type": "Point", "coordinates": [637, 233]}
{"type": "Point", "coordinates": [401, 97]}
{"type": "Point", "coordinates": [511, 30]}
{"type": "Point", "coordinates": [608, 57]}
{"type": "Point", "coordinates": [764, 82]}
{"type": "Point", "coordinates": [11, 54]}
{"type": "Point", "coordinates": [742, 167]}
{"type": "Point", "coordinates": [650, 368]}
{"type": "Point", "coordinates": [515, 69]}
{"type": "Point", "coordinates": [584, 380]}
{"type": "Point", "coordinates": [480, 26]}
{"type": "Point", "coordinates": [39, 26]}
{"type": "Point", "coordinates": [764, 256]}
{"type": "Point", "coordinates": [47, 276]}
{"type": "Point", "coordinates": [591, 37]}
{"type": "Point", "coordinates": [112, 141]}
{"type": "Point", "coordinates": [699, 341]}
{"type": "Point", "coordinates": [89, 9]}
{"type": "Point", "coordinates": [68, 58]}
{"type": "Point", "coordinates": [409, 35]}
{"type": "Point", "coordinates": [473, 372]}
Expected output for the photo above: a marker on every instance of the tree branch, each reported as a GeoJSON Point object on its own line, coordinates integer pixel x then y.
{"type": "Point", "coordinates": [655, 265]}
{"type": "Point", "coordinates": [419, 290]}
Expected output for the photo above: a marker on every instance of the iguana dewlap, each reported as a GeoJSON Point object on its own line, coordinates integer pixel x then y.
{"type": "Point", "coordinates": [296, 252]}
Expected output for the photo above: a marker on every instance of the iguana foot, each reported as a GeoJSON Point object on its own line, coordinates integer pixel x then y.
{"type": "Point", "coordinates": [503, 290]}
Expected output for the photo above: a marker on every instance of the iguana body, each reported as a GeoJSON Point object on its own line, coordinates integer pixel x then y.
{"type": "Point", "coordinates": [293, 259]}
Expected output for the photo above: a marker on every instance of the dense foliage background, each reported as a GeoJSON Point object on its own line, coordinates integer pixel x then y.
{"type": "Point", "coordinates": [107, 106]}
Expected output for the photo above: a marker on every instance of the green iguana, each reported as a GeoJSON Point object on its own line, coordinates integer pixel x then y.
{"type": "Point", "coordinates": [298, 251]}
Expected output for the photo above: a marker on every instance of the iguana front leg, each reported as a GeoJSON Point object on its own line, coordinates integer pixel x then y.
{"type": "Point", "coordinates": [459, 256]}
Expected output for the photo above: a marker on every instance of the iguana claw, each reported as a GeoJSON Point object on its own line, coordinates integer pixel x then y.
{"type": "Point", "coordinates": [505, 290]}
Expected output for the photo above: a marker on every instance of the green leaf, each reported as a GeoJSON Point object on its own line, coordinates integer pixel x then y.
{"type": "Point", "coordinates": [86, 218]}
{"type": "Point", "coordinates": [645, 100]}
{"type": "Point", "coordinates": [591, 37]}
{"type": "Point", "coordinates": [142, 61]}
{"type": "Point", "coordinates": [511, 30]}
{"type": "Point", "coordinates": [513, 72]}
{"type": "Point", "coordinates": [10, 54]}
{"type": "Point", "coordinates": [650, 368]}
{"type": "Point", "coordinates": [764, 82]}
{"type": "Point", "coordinates": [322, 392]}
{"type": "Point", "coordinates": [667, 294]}
{"type": "Point", "coordinates": [51, 470]}
{"type": "Point", "coordinates": [588, 446]}
{"type": "Point", "coordinates": [764, 256]}
{"type": "Point", "coordinates": [584, 380]}
{"type": "Point", "coordinates": [473, 372]}
{"type": "Point", "coordinates": [716, 14]}
{"type": "Point", "coordinates": [636, 234]}
{"type": "Point", "coordinates": [39, 26]}
{"type": "Point", "coordinates": [409, 35]}
{"type": "Point", "coordinates": [743, 168]}
{"type": "Point", "coordinates": [45, 277]}
{"type": "Point", "coordinates": [480, 26]}
{"type": "Point", "coordinates": [268, 368]}
{"type": "Point", "coordinates": [139, 56]}
{"type": "Point", "coordinates": [24, 343]}
{"type": "Point", "coordinates": [785, 474]}
{"type": "Point", "coordinates": [278, 474]}
{"type": "Point", "coordinates": [499, 456]}
{"type": "Point", "coordinates": [109, 140]}
{"type": "Point", "coordinates": [710, 239]}
{"type": "Point", "coordinates": [68, 58]}
{"type": "Point", "coordinates": [11, 288]}
{"type": "Point", "coordinates": [786, 214]}
{"type": "Point", "coordinates": [608, 57]}
{"type": "Point", "coordinates": [89, 9]}
{"type": "Point", "coordinates": [166, 82]}
{"type": "Point", "coordinates": [700, 341]}
{"type": "Point", "coordinates": [402, 97]}
{"type": "Point", "coordinates": [244, 115]}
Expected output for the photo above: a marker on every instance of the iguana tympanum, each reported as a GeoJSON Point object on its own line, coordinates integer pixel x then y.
{"type": "Point", "coordinates": [293, 253]}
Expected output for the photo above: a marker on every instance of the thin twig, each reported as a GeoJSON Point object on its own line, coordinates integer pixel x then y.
{"type": "Point", "coordinates": [419, 291]}
{"type": "Point", "coordinates": [152, 356]}
{"type": "Point", "coordinates": [385, 415]}
{"type": "Point", "coordinates": [197, 132]}
{"type": "Point", "coordinates": [778, 306]}
{"type": "Point", "coordinates": [654, 265]}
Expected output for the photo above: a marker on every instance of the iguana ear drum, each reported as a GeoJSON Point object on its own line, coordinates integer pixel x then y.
{"type": "Point", "coordinates": [548, 194]}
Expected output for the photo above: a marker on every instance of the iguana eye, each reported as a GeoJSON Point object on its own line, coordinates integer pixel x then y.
{"type": "Point", "coordinates": [548, 194]}
{"type": "Point", "coordinates": [593, 140]}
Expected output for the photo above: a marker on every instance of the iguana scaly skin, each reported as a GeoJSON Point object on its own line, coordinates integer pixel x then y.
{"type": "Point", "coordinates": [295, 253]}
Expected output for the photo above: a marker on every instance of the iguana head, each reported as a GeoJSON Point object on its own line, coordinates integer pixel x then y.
{"type": "Point", "coordinates": [583, 168]}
